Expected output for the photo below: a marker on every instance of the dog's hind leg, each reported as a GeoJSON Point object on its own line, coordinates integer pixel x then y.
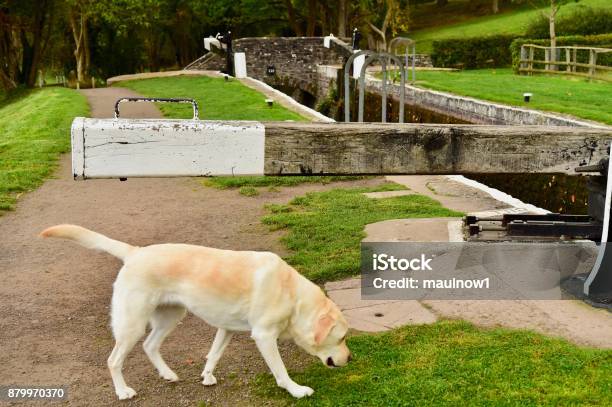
{"type": "Point", "coordinates": [129, 315]}
{"type": "Point", "coordinates": [163, 321]}
{"type": "Point", "coordinates": [222, 338]}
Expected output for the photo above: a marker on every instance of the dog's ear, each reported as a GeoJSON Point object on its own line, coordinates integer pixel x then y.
{"type": "Point", "coordinates": [324, 324]}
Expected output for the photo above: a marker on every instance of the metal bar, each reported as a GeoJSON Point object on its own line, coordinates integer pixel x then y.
{"type": "Point", "coordinates": [413, 62]}
{"type": "Point", "coordinates": [600, 277]}
{"type": "Point", "coordinates": [367, 62]}
{"type": "Point", "coordinates": [162, 100]}
{"type": "Point", "coordinates": [574, 229]}
{"type": "Point", "coordinates": [384, 92]}
{"type": "Point", "coordinates": [549, 217]}
{"type": "Point", "coordinates": [347, 92]}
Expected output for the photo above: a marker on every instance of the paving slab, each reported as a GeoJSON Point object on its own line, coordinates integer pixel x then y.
{"type": "Point", "coordinates": [390, 314]}
{"type": "Point", "coordinates": [410, 230]}
{"type": "Point", "coordinates": [451, 194]}
{"type": "Point", "coordinates": [350, 298]}
{"type": "Point", "coordinates": [343, 284]}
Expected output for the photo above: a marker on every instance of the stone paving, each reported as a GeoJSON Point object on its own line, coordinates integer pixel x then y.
{"type": "Point", "coordinates": [572, 320]}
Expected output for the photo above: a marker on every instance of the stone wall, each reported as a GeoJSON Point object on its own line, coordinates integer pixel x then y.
{"type": "Point", "coordinates": [295, 60]}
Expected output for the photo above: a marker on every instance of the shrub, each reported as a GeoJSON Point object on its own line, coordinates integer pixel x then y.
{"type": "Point", "coordinates": [602, 40]}
{"type": "Point", "coordinates": [473, 53]}
{"type": "Point", "coordinates": [582, 21]}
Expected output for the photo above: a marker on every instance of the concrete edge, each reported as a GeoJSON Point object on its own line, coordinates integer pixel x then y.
{"type": "Point", "coordinates": [498, 195]}
{"type": "Point", "coordinates": [165, 74]}
{"type": "Point", "coordinates": [286, 101]}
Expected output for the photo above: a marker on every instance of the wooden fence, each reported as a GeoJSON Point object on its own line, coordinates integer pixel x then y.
{"type": "Point", "coordinates": [578, 61]}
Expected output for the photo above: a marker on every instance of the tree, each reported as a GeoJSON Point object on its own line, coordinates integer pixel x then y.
{"type": "Point", "coordinates": [495, 6]}
{"type": "Point", "coordinates": [78, 14]}
{"type": "Point", "coordinates": [384, 18]}
{"type": "Point", "coordinates": [551, 15]}
{"type": "Point", "coordinates": [25, 29]}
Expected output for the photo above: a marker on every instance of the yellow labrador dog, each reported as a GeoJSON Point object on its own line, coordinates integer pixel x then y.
{"type": "Point", "coordinates": [230, 290]}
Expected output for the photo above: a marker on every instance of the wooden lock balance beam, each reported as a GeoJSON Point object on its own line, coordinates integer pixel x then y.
{"type": "Point", "coordinates": [123, 148]}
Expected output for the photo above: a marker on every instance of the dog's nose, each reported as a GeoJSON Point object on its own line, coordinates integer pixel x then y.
{"type": "Point", "coordinates": [350, 357]}
{"type": "Point", "coordinates": [330, 362]}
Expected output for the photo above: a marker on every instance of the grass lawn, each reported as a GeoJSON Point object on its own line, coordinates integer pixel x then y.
{"type": "Point", "coordinates": [453, 363]}
{"type": "Point", "coordinates": [34, 130]}
{"type": "Point", "coordinates": [217, 99]}
{"type": "Point", "coordinates": [574, 96]}
{"type": "Point", "coordinates": [513, 21]}
{"type": "Point", "coordinates": [325, 229]}
{"type": "Point", "coordinates": [273, 181]}
{"type": "Point", "coordinates": [250, 185]}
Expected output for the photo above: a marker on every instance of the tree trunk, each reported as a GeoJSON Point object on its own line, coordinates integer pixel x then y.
{"type": "Point", "coordinates": [553, 36]}
{"type": "Point", "coordinates": [495, 6]}
{"type": "Point", "coordinates": [297, 29]}
{"type": "Point", "coordinates": [9, 52]}
{"type": "Point", "coordinates": [26, 57]}
{"type": "Point", "coordinates": [342, 18]}
{"type": "Point", "coordinates": [312, 18]}
{"type": "Point", "coordinates": [78, 24]}
{"type": "Point", "coordinates": [86, 50]}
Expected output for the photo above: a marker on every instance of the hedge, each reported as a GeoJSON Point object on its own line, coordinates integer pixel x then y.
{"type": "Point", "coordinates": [601, 40]}
{"type": "Point", "coordinates": [581, 21]}
{"type": "Point", "coordinates": [473, 52]}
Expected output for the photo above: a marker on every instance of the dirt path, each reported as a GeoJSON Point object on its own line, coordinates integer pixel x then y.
{"type": "Point", "coordinates": [54, 295]}
{"type": "Point", "coordinates": [102, 103]}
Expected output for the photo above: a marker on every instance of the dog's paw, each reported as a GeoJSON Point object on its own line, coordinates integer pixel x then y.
{"type": "Point", "coordinates": [169, 375]}
{"type": "Point", "coordinates": [125, 393]}
{"type": "Point", "coordinates": [209, 380]}
{"type": "Point", "coordinates": [300, 391]}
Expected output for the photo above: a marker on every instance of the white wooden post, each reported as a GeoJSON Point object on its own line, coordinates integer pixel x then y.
{"type": "Point", "coordinates": [357, 64]}
{"type": "Point", "coordinates": [240, 65]}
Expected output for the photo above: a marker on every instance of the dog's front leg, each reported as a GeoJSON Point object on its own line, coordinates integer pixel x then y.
{"type": "Point", "coordinates": [267, 345]}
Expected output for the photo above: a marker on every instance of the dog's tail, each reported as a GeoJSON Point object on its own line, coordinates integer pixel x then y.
{"type": "Point", "coordinates": [89, 239]}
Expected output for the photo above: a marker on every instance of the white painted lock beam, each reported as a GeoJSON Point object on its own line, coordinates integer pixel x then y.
{"type": "Point", "coordinates": [211, 40]}
{"type": "Point", "coordinates": [122, 148]}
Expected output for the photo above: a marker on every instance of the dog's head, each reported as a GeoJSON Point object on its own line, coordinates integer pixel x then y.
{"type": "Point", "coordinates": [327, 340]}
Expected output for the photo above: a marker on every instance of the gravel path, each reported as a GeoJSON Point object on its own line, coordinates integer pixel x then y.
{"type": "Point", "coordinates": [54, 294]}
